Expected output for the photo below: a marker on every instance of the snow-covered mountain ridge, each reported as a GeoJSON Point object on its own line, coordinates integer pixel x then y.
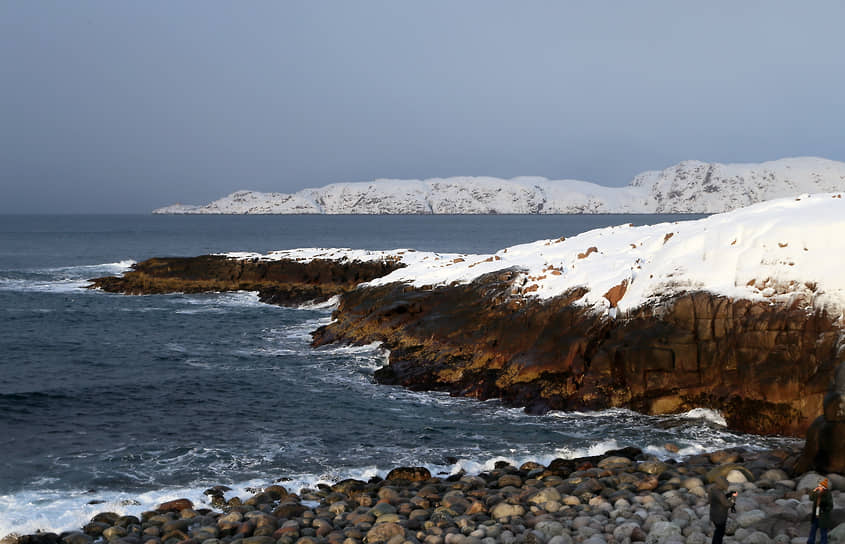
{"type": "Point", "coordinates": [687, 187]}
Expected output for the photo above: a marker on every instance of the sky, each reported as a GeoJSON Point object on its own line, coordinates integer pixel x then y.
{"type": "Point", "coordinates": [122, 107]}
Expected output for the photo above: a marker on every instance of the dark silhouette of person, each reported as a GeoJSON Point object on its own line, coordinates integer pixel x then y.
{"type": "Point", "coordinates": [721, 501]}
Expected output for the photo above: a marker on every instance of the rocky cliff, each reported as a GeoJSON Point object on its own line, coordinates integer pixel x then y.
{"type": "Point", "coordinates": [765, 367]}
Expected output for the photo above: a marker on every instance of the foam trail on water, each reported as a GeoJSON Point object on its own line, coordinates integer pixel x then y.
{"type": "Point", "coordinates": [62, 279]}
{"type": "Point", "coordinates": [325, 305]}
{"type": "Point", "coordinates": [713, 416]}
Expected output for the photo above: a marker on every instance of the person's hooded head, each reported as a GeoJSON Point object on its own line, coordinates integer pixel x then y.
{"type": "Point", "coordinates": [825, 483]}
{"type": "Point", "coordinates": [721, 482]}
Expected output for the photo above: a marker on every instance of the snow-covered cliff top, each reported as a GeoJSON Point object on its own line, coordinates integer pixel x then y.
{"type": "Point", "coordinates": [776, 250]}
{"type": "Point", "coordinates": [688, 187]}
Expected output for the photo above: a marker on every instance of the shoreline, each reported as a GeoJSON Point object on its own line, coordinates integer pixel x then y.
{"type": "Point", "coordinates": [623, 495]}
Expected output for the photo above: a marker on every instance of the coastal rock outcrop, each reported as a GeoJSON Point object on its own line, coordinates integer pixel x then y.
{"type": "Point", "coordinates": [765, 367]}
{"type": "Point", "coordinates": [824, 449]}
{"type": "Point", "coordinates": [742, 312]}
{"type": "Point", "coordinates": [281, 281]}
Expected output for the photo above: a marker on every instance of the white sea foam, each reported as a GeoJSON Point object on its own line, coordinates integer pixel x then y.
{"type": "Point", "coordinates": [220, 302]}
{"type": "Point", "coordinates": [348, 349]}
{"type": "Point", "coordinates": [86, 270]}
{"type": "Point", "coordinates": [43, 285]}
{"type": "Point", "coordinates": [325, 305]}
{"type": "Point", "coordinates": [303, 329]}
{"type": "Point", "coordinates": [50, 510]}
{"type": "Point", "coordinates": [56, 511]}
{"type": "Point", "coordinates": [65, 279]}
{"type": "Point", "coordinates": [713, 416]}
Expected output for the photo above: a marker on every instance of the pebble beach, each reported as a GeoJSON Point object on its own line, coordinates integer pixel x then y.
{"type": "Point", "coordinates": [620, 497]}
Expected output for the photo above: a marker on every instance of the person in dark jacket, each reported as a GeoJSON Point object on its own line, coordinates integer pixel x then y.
{"type": "Point", "coordinates": [721, 501]}
{"type": "Point", "coordinates": [820, 519]}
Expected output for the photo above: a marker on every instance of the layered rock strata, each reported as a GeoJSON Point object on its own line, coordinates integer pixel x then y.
{"type": "Point", "coordinates": [765, 367]}
{"type": "Point", "coordinates": [282, 281]}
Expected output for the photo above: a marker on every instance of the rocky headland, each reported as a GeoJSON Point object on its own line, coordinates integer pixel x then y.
{"type": "Point", "coordinates": [739, 312]}
{"type": "Point", "coordinates": [765, 368]}
{"type": "Point", "coordinates": [620, 497]}
{"type": "Point", "coordinates": [282, 281]}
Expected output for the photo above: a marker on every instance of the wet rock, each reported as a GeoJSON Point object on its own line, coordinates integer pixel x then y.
{"type": "Point", "coordinates": [506, 510]}
{"type": "Point", "coordinates": [176, 505]}
{"type": "Point", "coordinates": [259, 499]}
{"type": "Point", "coordinates": [382, 508]}
{"type": "Point", "coordinates": [289, 510]}
{"type": "Point", "coordinates": [108, 518]}
{"type": "Point", "coordinates": [95, 529]}
{"type": "Point", "coordinates": [413, 474]}
{"type": "Point", "coordinates": [548, 494]}
{"type": "Point", "coordinates": [384, 532]}
{"type": "Point", "coordinates": [76, 537]}
{"type": "Point", "coordinates": [113, 533]}
{"type": "Point", "coordinates": [349, 486]}
{"type": "Point", "coordinates": [259, 540]}
{"type": "Point", "coordinates": [652, 467]}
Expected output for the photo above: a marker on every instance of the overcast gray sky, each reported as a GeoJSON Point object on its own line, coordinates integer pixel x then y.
{"type": "Point", "coordinates": [118, 106]}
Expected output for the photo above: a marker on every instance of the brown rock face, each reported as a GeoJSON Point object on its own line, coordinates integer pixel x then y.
{"type": "Point", "coordinates": [824, 449]}
{"type": "Point", "coordinates": [175, 505]}
{"type": "Point", "coordinates": [765, 367]}
{"type": "Point", "coordinates": [277, 282]}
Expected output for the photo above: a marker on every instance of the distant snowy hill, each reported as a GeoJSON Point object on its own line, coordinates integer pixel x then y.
{"type": "Point", "coordinates": [688, 187]}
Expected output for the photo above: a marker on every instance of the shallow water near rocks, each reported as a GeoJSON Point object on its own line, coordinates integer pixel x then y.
{"type": "Point", "coordinates": [112, 402]}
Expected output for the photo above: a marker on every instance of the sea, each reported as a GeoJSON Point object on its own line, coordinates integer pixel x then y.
{"type": "Point", "coordinates": [118, 403]}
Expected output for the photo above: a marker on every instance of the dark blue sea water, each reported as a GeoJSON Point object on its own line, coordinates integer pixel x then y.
{"type": "Point", "coordinates": [125, 401]}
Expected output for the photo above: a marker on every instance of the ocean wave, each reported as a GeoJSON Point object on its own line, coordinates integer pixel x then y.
{"type": "Point", "coordinates": [713, 416]}
{"type": "Point", "coordinates": [325, 305]}
{"type": "Point", "coordinates": [113, 268]}
{"type": "Point", "coordinates": [59, 285]}
{"type": "Point", "coordinates": [217, 303]}
{"type": "Point", "coordinates": [61, 510]}
{"type": "Point", "coordinates": [63, 279]}
{"type": "Point", "coordinates": [302, 329]}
